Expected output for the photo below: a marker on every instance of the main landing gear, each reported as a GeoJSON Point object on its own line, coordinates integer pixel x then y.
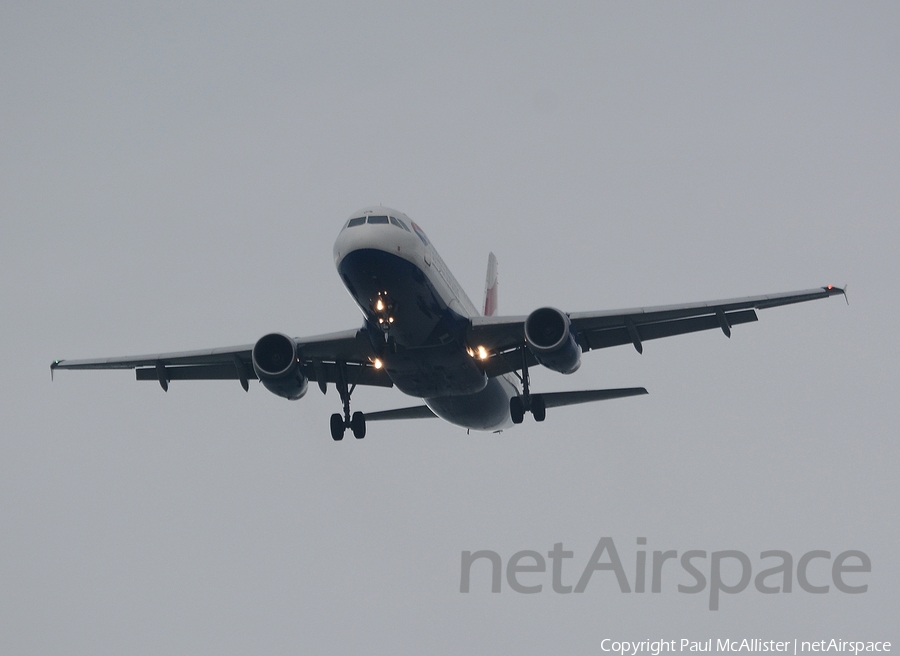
{"type": "Point", "coordinates": [528, 402]}
{"type": "Point", "coordinates": [355, 422]}
{"type": "Point", "coordinates": [519, 405]}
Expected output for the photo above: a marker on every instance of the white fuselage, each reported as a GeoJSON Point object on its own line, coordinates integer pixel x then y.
{"type": "Point", "coordinates": [416, 313]}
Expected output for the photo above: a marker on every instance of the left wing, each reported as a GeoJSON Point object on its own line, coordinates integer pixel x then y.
{"type": "Point", "coordinates": [324, 359]}
{"type": "Point", "coordinates": [503, 337]}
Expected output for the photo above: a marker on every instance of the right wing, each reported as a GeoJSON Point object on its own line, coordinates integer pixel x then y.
{"type": "Point", "coordinates": [504, 337]}
{"type": "Point", "coordinates": [322, 357]}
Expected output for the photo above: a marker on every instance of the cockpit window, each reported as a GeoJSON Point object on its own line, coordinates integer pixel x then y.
{"type": "Point", "coordinates": [397, 222]}
{"type": "Point", "coordinates": [360, 220]}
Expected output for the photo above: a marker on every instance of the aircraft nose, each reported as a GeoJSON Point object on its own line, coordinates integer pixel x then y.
{"type": "Point", "coordinates": [375, 228]}
{"type": "Point", "coordinates": [353, 236]}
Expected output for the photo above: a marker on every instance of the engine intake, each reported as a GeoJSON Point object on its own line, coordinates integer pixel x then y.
{"type": "Point", "coordinates": [549, 335]}
{"type": "Point", "coordinates": [277, 366]}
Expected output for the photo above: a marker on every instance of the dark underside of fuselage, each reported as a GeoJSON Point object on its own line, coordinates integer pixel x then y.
{"type": "Point", "coordinates": [423, 350]}
{"type": "Point", "coordinates": [484, 410]}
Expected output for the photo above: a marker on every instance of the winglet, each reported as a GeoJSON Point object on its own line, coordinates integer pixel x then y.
{"type": "Point", "coordinates": [832, 290]}
{"type": "Point", "coordinates": [53, 366]}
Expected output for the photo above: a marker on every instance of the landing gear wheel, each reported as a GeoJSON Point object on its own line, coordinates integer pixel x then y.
{"type": "Point", "coordinates": [516, 410]}
{"type": "Point", "coordinates": [337, 427]}
{"type": "Point", "coordinates": [538, 409]}
{"type": "Point", "coordinates": [358, 425]}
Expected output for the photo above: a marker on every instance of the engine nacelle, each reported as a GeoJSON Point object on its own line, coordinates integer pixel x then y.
{"type": "Point", "coordinates": [277, 366]}
{"type": "Point", "coordinates": [549, 335]}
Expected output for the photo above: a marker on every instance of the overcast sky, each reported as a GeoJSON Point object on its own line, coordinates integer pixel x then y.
{"type": "Point", "coordinates": [173, 177]}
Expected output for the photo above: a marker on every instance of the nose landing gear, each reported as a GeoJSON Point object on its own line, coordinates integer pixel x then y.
{"type": "Point", "coordinates": [384, 310]}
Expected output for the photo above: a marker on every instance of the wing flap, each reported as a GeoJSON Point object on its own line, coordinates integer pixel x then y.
{"type": "Point", "coordinates": [616, 336]}
{"type": "Point", "coordinates": [356, 374]}
{"type": "Point", "coordinates": [506, 362]}
{"type": "Point", "coordinates": [196, 372]}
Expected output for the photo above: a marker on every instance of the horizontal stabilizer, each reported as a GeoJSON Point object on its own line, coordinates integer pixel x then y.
{"type": "Point", "coordinates": [416, 412]}
{"type": "Point", "coordinates": [558, 399]}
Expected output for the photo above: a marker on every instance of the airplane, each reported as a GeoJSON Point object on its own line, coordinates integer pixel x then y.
{"type": "Point", "coordinates": [422, 335]}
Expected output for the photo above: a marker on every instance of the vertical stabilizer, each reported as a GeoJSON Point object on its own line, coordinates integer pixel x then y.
{"type": "Point", "coordinates": [490, 287]}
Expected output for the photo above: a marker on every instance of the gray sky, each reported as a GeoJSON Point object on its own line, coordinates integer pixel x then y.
{"type": "Point", "coordinates": [173, 177]}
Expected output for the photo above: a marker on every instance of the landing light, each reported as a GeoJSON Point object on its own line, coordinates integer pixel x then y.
{"type": "Point", "coordinates": [378, 363]}
{"type": "Point", "coordinates": [482, 353]}
{"type": "Point", "coordinates": [379, 305]}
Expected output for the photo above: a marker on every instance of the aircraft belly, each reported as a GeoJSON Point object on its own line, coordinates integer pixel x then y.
{"type": "Point", "coordinates": [440, 370]}
{"type": "Point", "coordinates": [484, 410]}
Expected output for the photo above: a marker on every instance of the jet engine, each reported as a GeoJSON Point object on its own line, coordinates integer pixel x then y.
{"type": "Point", "coordinates": [549, 335]}
{"type": "Point", "coordinates": [277, 366]}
